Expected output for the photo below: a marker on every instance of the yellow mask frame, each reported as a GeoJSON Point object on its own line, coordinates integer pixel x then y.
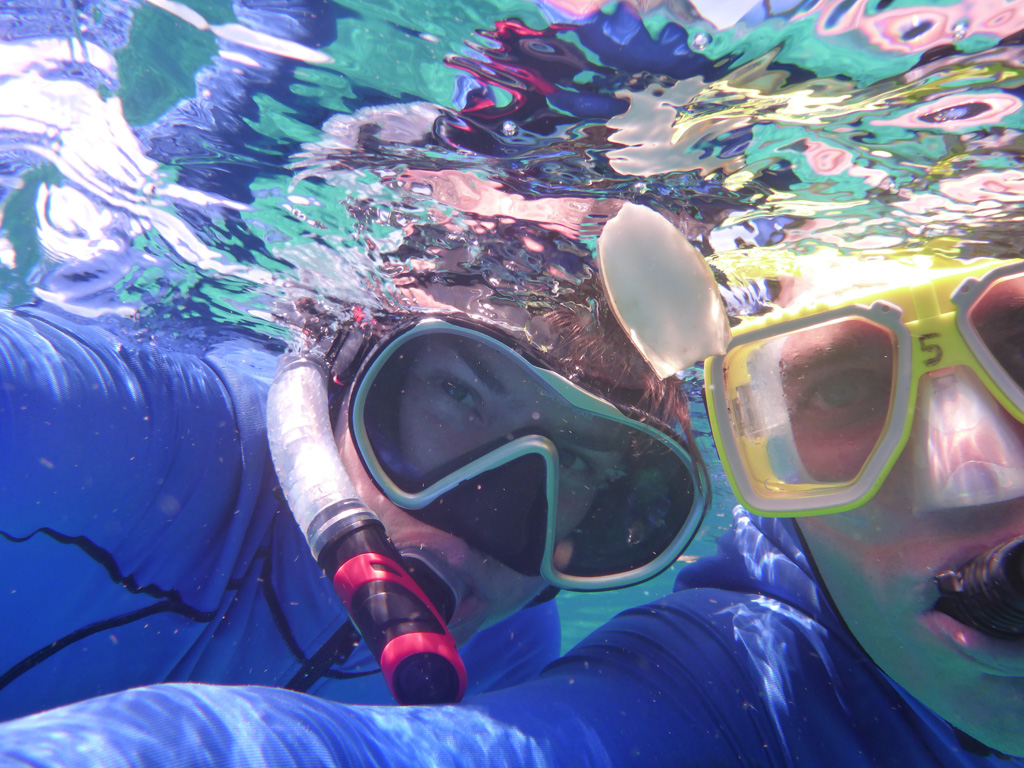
{"type": "Point", "coordinates": [928, 324]}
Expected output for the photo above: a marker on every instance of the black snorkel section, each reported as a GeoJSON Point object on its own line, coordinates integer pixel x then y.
{"type": "Point", "coordinates": [988, 592]}
{"type": "Point", "coordinates": [406, 633]}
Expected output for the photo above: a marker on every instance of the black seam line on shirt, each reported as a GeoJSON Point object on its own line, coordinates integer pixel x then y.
{"type": "Point", "coordinates": [43, 654]}
{"type": "Point", "coordinates": [335, 650]}
{"type": "Point", "coordinates": [333, 674]}
{"type": "Point", "coordinates": [106, 561]}
{"type": "Point", "coordinates": [274, 605]}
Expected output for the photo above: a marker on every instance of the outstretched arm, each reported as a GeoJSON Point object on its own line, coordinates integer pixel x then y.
{"type": "Point", "coordinates": [252, 727]}
{"type": "Point", "coordinates": [628, 696]}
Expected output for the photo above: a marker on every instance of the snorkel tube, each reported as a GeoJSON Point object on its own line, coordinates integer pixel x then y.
{"type": "Point", "coordinates": [988, 592]}
{"type": "Point", "coordinates": [400, 625]}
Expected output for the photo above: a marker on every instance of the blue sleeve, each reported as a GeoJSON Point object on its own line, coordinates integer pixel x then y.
{"type": "Point", "coordinates": [252, 727]}
{"type": "Point", "coordinates": [706, 678]}
{"type": "Point", "coordinates": [622, 699]}
{"type": "Point", "coordinates": [116, 443]}
{"type": "Point", "coordinates": [129, 510]}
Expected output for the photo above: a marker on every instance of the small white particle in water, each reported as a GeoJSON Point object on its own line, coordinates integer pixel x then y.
{"type": "Point", "coordinates": [509, 128]}
{"type": "Point", "coordinates": [700, 41]}
{"type": "Point", "coordinates": [960, 30]}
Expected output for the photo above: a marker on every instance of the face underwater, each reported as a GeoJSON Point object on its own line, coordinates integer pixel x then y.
{"type": "Point", "coordinates": [438, 417]}
{"type": "Point", "coordinates": [504, 477]}
{"type": "Point", "coordinates": [954, 492]}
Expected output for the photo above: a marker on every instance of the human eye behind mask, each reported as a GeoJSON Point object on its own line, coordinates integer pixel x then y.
{"type": "Point", "coordinates": [837, 388]}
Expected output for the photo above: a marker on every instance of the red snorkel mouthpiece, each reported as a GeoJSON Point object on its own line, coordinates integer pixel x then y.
{"type": "Point", "coordinates": [396, 619]}
{"type": "Point", "coordinates": [988, 592]}
{"type": "Point", "coordinates": [399, 623]}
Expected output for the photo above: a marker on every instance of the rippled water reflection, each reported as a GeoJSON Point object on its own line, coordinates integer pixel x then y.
{"type": "Point", "coordinates": [161, 157]}
{"type": "Point", "coordinates": [206, 160]}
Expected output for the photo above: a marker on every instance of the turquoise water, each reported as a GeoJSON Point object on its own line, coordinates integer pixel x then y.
{"type": "Point", "coordinates": [203, 163]}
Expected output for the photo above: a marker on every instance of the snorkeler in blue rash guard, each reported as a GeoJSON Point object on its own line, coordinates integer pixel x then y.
{"type": "Point", "coordinates": [143, 537]}
{"type": "Point", "coordinates": [885, 633]}
{"type": "Point", "coordinates": [197, 610]}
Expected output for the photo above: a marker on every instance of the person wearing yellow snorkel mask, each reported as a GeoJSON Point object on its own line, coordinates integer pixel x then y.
{"type": "Point", "coordinates": [892, 428]}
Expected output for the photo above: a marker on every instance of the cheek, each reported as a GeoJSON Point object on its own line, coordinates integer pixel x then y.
{"type": "Point", "coordinates": [511, 593]}
{"type": "Point", "coordinates": [859, 568]}
{"type": "Point", "coordinates": [838, 552]}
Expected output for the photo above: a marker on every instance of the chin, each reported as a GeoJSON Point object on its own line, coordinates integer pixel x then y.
{"type": "Point", "coordinates": [471, 617]}
{"type": "Point", "coordinates": [464, 631]}
{"type": "Point", "coordinates": [973, 681]}
{"type": "Point", "coordinates": [997, 727]}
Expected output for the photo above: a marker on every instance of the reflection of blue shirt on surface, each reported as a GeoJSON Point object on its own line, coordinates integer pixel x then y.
{"type": "Point", "coordinates": [142, 540]}
{"type": "Point", "coordinates": [745, 664]}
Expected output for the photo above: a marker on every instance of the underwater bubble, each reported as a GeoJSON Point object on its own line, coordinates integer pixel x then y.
{"type": "Point", "coordinates": [700, 41]}
{"type": "Point", "coordinates": [509, 128]}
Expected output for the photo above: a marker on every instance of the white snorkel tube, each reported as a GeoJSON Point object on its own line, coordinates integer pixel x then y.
{"type": "Point", "coordinates": [400, 625]}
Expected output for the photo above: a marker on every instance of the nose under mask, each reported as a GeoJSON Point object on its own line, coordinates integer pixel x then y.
{"type": "Point", "coordinates": [501, 512]}
{"type": "Point", "coordinates": [967, 450]}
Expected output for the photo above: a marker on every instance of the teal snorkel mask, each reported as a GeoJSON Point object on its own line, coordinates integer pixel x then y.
{"type": "Point", "coordinates": [473, 434]}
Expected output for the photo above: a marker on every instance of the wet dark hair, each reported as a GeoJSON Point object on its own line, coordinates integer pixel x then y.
{"type": "Point", "coordinates": [592, 349]}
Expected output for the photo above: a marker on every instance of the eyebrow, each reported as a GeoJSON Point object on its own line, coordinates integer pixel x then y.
{"type": "Point", "coordinates": [851, 341]}
{"type": "Point", "coordinates": [482, 370]}
{"type": "Point", "coordinates": [585, 430]}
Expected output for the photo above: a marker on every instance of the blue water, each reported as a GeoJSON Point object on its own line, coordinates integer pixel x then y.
{"type": "Point", "coordinates": [203, 164]}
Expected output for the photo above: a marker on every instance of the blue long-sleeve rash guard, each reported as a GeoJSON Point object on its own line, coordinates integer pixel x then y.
{"type": "Point", "coordinates": [142, 540]}
{"type": "Point", "coordinates": [744, 665]}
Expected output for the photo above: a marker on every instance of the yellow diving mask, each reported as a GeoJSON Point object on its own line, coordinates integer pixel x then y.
{"type": "Point", "coordinates": [811, 407]}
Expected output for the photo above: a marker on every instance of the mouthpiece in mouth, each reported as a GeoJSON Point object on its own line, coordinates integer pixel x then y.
{"type": "Point", "coordinates": [435, 586]}
{"type": "Point", "coordinates": [987, 593]}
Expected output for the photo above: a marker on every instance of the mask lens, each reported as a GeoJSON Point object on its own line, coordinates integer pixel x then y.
{"type": "Point", "coordinates": [442, 400]}
{"type": "Point", "coordinates": [502, 512]}
{"type": "Point", "coordinates": [810, 406]}
{"type": "Point", "coordinates": [633, 519]}
{"type": "Point", "coordinates": [998, 318]}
